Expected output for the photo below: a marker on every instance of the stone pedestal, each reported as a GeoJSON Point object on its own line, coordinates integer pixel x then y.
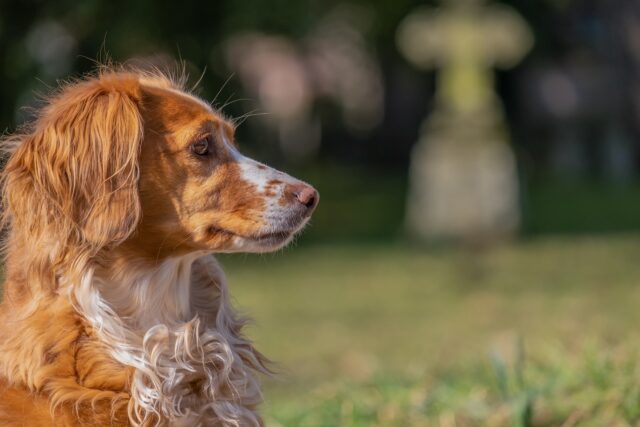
{"type": "Point", "coordinates": [463, 183]}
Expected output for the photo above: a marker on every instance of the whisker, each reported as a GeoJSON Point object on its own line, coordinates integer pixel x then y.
{"type": "Point", "coordinates": [227, 102]}
{"type": "Point", "coordinates": [199, 80]}
{"type": "Point", "coordinates": [233, 102]}
{"type": "Point", "coordinates": [226, 82]}
{"type": "Point", "coordinates": [241, 119]}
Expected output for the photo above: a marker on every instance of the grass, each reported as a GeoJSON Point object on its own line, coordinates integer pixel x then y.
{"type": "Point", "coordinates": [539, 333]}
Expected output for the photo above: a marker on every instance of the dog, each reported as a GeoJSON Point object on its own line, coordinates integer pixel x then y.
{"type": "Point", "coordinates": [115, 312]}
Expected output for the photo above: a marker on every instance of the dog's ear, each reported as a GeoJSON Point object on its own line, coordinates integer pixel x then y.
{"type": "Point", "coordinates": [75, 175]}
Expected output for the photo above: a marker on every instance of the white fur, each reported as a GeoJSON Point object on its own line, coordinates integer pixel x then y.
{"type": "Point", "coordinates": [176, 330]}
{"type": "Point", "coordinates": [260, 175]}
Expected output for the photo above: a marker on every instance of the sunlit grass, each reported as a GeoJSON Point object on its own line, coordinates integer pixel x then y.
{"type": "Point", "coordinates": [537, 333]}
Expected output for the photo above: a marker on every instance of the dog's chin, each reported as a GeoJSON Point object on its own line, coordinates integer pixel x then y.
{"type": "Point", "coordinates": [265, 242]}
{"type": "Point", "coordinates": [259, 242]}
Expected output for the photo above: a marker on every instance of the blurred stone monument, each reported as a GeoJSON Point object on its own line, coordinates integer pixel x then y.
{"type": "Point", "coordinates": [463, 177]}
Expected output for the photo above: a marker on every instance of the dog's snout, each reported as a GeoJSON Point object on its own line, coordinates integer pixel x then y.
{"type": "Point", "coordinates": [306, 195]}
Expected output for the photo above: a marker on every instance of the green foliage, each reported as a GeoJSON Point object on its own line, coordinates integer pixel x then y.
{"type": "Point", "coordinates": [584, 206]}
{"type": "Point", "coordinates": [363, 204]}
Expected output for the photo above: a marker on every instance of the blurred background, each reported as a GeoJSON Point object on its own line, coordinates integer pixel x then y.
{"type": "Point", "coordinates": [473, 259]}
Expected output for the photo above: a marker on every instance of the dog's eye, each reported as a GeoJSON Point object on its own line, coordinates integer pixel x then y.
{"type": "Point", "coordinates": [201, 147]}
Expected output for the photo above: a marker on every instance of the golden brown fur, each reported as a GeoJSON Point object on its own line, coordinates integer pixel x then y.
{"type": "Point", "coordinates": [114, 311]}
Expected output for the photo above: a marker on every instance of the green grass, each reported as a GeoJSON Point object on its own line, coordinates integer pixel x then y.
{"type": "Point", "coordinates": [540, 333]}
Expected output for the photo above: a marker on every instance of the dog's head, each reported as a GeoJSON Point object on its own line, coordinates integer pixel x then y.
{"type": "Point", "coordinates": [200, 192]}
{"type": "Point", "coordinates": [131, 159]}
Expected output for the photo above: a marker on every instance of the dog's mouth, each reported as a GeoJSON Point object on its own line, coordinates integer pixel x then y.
{"type": "Point", "coordinates": [274, 238]}
{"type": "Point", "coordinates": [272, 233]}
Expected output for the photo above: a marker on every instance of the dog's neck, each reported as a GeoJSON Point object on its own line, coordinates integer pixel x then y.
{"type": "Point", "coordinates": [144, 293]}
{"type": "Point", "coordinates": [172, 322]}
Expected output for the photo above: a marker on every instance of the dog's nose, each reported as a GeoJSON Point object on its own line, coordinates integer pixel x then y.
{"type": "Point", "coordinates": [306, 195]}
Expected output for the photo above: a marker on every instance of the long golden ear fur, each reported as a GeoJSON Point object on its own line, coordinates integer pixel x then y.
{"type": "Point", "coordinates": [72, 179]}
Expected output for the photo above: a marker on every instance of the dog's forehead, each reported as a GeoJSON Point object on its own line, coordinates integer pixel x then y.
{"type": "Point", "coordinates": [175, 110]}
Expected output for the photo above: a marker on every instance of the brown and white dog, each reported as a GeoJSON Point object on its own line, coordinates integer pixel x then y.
{"type": "Point", "coordinates": [115, 312]}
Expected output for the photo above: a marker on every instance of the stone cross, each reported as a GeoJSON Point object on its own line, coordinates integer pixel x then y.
{"type": "Point", "coordinates": [463, 182]}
